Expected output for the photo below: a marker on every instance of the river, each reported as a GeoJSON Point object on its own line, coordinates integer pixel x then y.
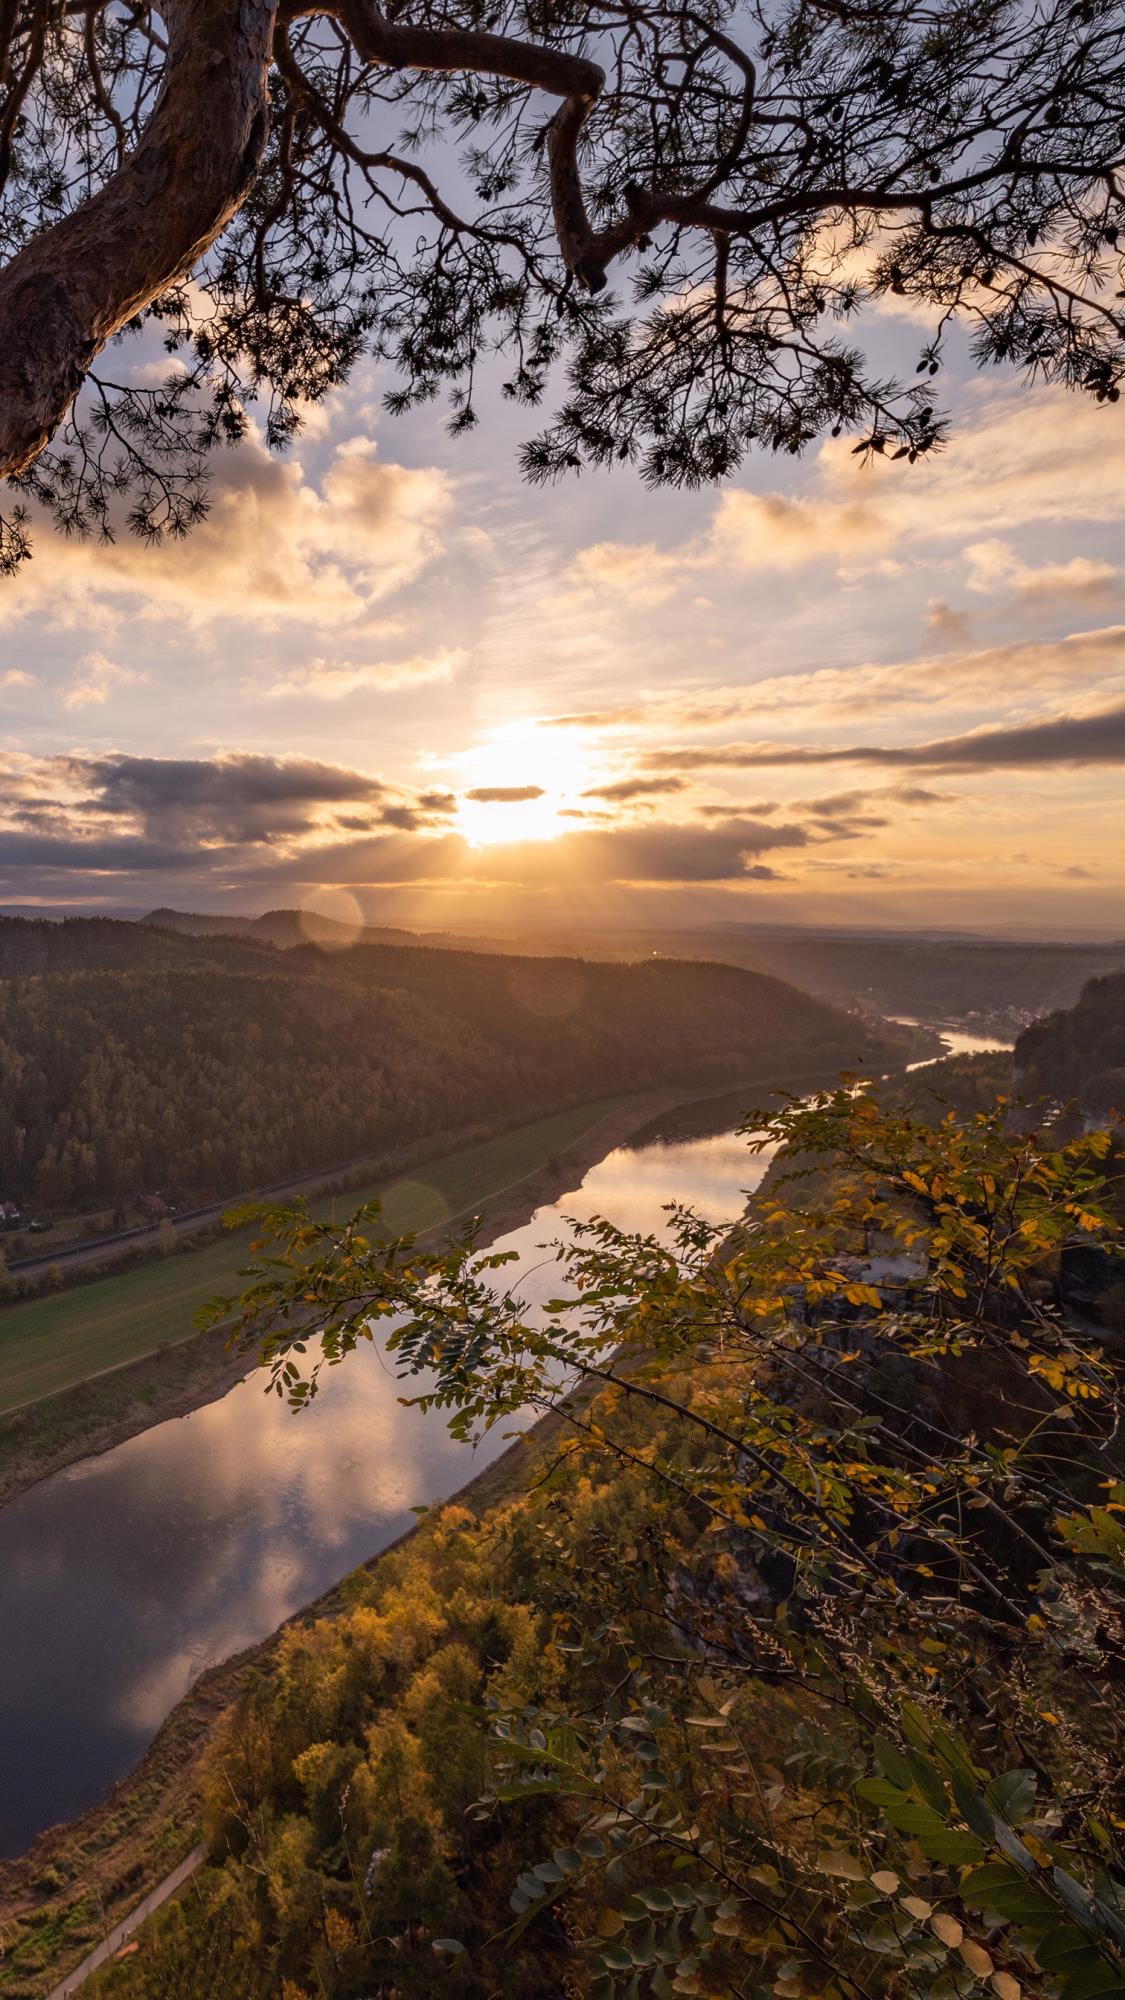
{"type": "Point", "coordinates": [126, 1575]}
{"type": "Point", "coordinates": [957, 1041]}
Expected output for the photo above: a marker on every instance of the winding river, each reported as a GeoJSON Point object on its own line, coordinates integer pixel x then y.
{"type": "Point", "coordinates": [125, 1576]}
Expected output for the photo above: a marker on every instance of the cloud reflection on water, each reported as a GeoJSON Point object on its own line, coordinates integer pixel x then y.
{"type": "Point", "coordinates": [125, 1576]}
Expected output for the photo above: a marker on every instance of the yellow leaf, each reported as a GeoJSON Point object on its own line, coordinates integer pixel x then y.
{"type": "Point", "coordinates": [947, 1929]}
{"type": "Point", "coordinates": [1005, 1986]}
{"type": "Point", "coordinates": [840, 1862]}
{"type": "Point", "coordinates": [885, 1882]}
{"type": "Point", "coordinates": [976, 1958]}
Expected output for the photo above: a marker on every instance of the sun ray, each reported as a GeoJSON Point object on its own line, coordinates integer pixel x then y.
{"type": "Point", "coordinates": [520, 780]}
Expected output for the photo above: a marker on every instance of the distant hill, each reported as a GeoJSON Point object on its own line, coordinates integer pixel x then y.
{"type": "Point", "coordinates": [31, 945]}
{"type": "Point", "coordinates": [927, 978]}
{"type": "Point", "coordinates": [289, 928]}
{"type": "Point", "coordinates": [1078, 1053]}
{"type": "Point", "coordinates": [134, 1056]}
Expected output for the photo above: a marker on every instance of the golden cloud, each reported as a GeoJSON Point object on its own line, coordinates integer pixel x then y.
{"type": "Point", "coordinates": [274, 547]}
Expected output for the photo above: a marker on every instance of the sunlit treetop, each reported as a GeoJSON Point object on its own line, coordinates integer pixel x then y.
{"type": "Point", "coordinates": [662, 217]}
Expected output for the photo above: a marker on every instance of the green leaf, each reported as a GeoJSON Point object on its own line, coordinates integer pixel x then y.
{"type": "Point", "coordinates": [532, 1910]}
{"type": "Point", "coordinates": [1010, 1844]}
{"type": "Point", "coordinates": [981, 1887]}
{"type": "Point", "coordinates": [1065, 1950]}
{"type": "Point", "coordinates": [973, 1809]}
{"type": "Point", "coordinates": [1013, 1795]}
{"type": "Point", "coordinates": [1002, 1888]}
{"type": "Point", "coordinates": [1101, 1981]}
{"type": "Point", "coordinates": [1077, 1899]}
{"type": "Point", "coordinates": [915, 1725]}
{"type": "Point", "coordinates": [878, 1792]}
{"type": "Point", "coordinates": [616, 1957]}
{"type": "Point", "coordinates": [892, 1763]}
{"type": "Point", "coordinates": [928, 1780]}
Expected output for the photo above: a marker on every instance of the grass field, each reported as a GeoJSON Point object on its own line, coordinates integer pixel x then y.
{"type": "Point", "coordinates": [50, 1344]}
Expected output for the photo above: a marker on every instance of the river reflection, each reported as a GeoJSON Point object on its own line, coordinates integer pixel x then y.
{"type": "Point", "coordinates": [955, 1041]}
{"type": "Point", "coordinates": [122, 1578]}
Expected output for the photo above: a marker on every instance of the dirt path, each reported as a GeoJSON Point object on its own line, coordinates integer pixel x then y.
{"type": "Point", "coordinates": [123, 1930]}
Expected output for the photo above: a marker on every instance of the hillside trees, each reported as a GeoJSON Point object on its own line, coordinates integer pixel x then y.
{"type": "Point", "coordinates": [821, 1586]}
{"type": "Point", "coordinates": [225, 1067]}
{"type": "Point", "coordinates": [1078, 1053]}
{"type": "Point", "coordinates": [681, 207]}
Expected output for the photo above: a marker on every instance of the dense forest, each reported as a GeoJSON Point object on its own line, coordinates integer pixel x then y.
{"type": "Point", "coordinates": [932, 978]}
{"type": "Point", "coordinates": [790, 1666]}
{"type": "Point", "coordinates": [132, 1058]}
{"type": "Point", "coordinates": [1078, 1054]}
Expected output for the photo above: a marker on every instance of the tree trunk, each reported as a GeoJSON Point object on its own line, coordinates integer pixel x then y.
{"type": "Point", "coordinates": [72, 287]}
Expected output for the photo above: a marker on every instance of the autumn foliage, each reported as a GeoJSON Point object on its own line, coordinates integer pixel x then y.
{"type": "Point", "coordinates": [792, 1667]}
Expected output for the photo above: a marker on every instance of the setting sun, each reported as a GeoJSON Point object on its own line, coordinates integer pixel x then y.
{"type": "Point", "coordinates": [522, 781]}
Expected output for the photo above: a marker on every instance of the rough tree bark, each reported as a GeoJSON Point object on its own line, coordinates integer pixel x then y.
{"type": "Point", "coordinates": [70, 289]}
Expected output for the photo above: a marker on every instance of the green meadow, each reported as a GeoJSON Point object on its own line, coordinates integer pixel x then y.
{"type": "Point", "coordinates": [50, 1344]}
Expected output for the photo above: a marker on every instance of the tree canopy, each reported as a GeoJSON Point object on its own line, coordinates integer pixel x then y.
{"type": "Point", "coordinates": [791, 1668]}
{"type": "Point", "coordinates": [660, 214]}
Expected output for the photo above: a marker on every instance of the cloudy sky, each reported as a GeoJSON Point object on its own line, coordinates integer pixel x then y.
{"type": "Point", "coordinates": [387, 679]}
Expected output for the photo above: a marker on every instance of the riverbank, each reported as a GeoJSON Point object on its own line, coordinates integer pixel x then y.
{"type": "Point", "coordinates": [504, 1179]}
{"type": "Point", "coordinates": [79, 1880]}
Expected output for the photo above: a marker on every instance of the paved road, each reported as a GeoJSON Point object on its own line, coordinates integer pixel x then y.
{"type": "Point", "coordinates": [124, 1930]}
{"type": "Point", "coordinates": [99, 1249]}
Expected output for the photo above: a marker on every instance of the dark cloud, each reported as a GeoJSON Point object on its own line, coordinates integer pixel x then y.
{"type": "Point", "coordinates": [504, 795]}
{"type": "Point", "coordinates": [835, 803]}
{"type": "Point", "coordinates": [759, 809]}
{"type": "Point", "coordinates": [664, 852]}
{"type": "Point", "coordinates": [405, 818]}
{"type": "Point", "coordinates": [1064, 739]}
{"type": "Point", "coordinates": [847, 827]}
{"type": "Point", "coordinates": [238, 800]}
{"type": "Point", "coordinates": [856, 806]}
{"type": "Point", "coordinates": [634, 788]}
{"type": "Point", "coordinates": [279, 824]}
{"type": "Point", "coordinates": [120, 854]}
{"type": "Point", "coordinates": [946, 626]}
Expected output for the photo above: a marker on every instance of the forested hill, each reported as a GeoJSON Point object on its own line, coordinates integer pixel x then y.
{"type": "Point", "coordinates": [132, 1058]}
{"type": "Point", "coordinates": [932, 978]}
{"type": "Point", "coordinates": [106, 944]}
{"type": "Point", "coordinates": [1079, 1052]}
{"type": "Point", "coordinates": [289, 927]}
